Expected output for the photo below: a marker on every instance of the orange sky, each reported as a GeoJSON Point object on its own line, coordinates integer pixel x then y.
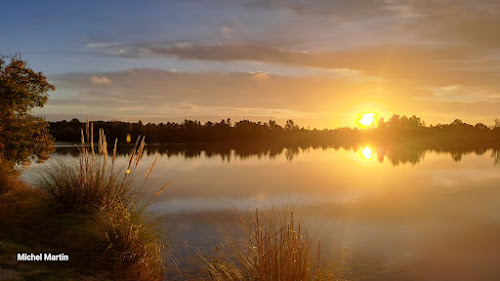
{"type": "Point", "coordinates": [319, 63]}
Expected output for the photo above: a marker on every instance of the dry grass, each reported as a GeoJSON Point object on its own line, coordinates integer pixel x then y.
{"type": "Point", "coordinates": [17, 199]}
{"type": "Point", "coordinates": [126, 242]}
{"type": "Point", "coordinates": [93, 181]}
{"type": "Point", "coordinates": [119, 237]}
{"type": "Point", "coordinates": [276, 248]}
{"type": "Point", "coordinates": [97, 207]}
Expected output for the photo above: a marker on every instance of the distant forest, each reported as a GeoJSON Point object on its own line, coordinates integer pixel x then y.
{"type": "Point", "coordinates": [398, 129]}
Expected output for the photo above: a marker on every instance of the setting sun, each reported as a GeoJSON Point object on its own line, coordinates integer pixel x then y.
{"type": "Point", "coordinates": [252, 131]}
{"type": "Point", "coordinates": [366, 120]}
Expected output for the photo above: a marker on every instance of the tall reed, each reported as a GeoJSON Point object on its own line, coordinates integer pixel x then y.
{"type": "Point", "coordinates": [274, 249]}
{"type": "Point", "coordinates": [121, 237]}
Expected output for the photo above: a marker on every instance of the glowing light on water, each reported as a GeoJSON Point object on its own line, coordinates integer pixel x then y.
{"type": "Point", "coordinates": [366, 153]}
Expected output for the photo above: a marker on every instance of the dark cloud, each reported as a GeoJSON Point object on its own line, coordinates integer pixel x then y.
{"type": "Point", "coordinates": [470, 23]}
{"type": "Point", "coordinates": [435, 42]}
{"type": "Point", "coordinates": [430, 63]}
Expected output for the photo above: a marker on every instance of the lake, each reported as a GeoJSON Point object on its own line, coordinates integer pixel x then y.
{"type": "Point", "coordinates": [380, 213]}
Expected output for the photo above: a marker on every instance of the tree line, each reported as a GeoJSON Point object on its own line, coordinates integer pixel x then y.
{"type": "Point", "coordinates": [397, 128]}
{"type": "Point", "coordinates": [25, 137]}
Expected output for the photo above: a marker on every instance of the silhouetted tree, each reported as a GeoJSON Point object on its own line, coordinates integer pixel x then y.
{"type": "Point", "coordinates": [415, 122]}
{"type": "Point", "coordinates": [481, 126]}
{"type": "Point", "coordinates": [274, 126]}
{"type": "Point", "coordinates": [497, 123]}
{"type": "Point", "coordinates": [290, 125]}
{"type": "Point", "coordinates": [381, 122]}
{"type": "Point", "coordinates": [397, 130]}
{"type": "Point", "coordinates": [23, 137]}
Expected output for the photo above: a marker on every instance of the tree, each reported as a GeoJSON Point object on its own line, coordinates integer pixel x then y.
{"type": "Point", "coordinates": [481, 126]}
{"type": "Point", "coordinates": [457, 123]}
{"type": "Point", "coordinates": [497, 123]}
{"type": "Point", "coordinates": [381, 123]}
{"type": "Point", "coordinates": [23, 137]}
{"type": "Point", "coordinates": [395, 121]}
{"type": "Point", "coordinates": [415, 121]}
{"type": "Point", "coordinates": [274, 126]}
{"type": "Point", "coordinates": [290, 125]}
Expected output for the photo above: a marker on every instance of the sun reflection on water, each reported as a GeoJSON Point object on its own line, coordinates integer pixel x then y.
{"type": "Point", "coordinates": [366, 153]}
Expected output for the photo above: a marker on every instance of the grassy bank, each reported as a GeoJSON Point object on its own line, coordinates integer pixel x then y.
{"type": "Point", "coordinates": [89, 210]}
{"type": "Point", "coordinates": [93, 210]}
{"type": "Point", "coordinates": [29, 225]}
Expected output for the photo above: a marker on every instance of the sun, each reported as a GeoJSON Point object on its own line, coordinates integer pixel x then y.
{"type": "Point", "coordinates": [367, 120]}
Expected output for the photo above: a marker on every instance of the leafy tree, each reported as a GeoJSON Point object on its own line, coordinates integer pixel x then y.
{"type": "Point", "coordinates": [23, 137]}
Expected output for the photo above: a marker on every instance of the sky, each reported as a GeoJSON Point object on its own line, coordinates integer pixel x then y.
{"type": "Point", "coordinates": [320, 63]}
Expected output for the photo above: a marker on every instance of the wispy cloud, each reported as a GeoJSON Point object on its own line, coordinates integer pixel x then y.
{"type": "Point", "coordinates": [435, 63]}
{"type": "Point", "coordinates": [267, 56]}
{"type": "Point", "coordinates": [259, 96]}
{"type": "Point", "coordinates": [100, 80]}
{"type": "Point", "coordinates": [102, 44]}
{"type": "Point", "coordinates": [463, 94]}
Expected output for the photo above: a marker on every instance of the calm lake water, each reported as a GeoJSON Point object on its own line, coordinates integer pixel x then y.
{"type": "Point", "coordinates": [380, 214]}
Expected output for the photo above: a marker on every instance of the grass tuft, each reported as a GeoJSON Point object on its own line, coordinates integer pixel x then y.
{"type": "Point", "coordinates": [275, 248]}
{"type": "Point", "coordinates": [119, 235]}
{"type": "Point", "coordinates": [128, 244]}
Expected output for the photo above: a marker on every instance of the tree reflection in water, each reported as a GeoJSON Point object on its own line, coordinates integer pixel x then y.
{"type": "Point", "coordinates": [400, 154]}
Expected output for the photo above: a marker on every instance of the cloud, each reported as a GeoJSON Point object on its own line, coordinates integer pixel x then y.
{"type": "Point", "coordinates": [445, 41]}
{"type": "Point", "coordinates": [261, 76]}
{"type": "Point", "coordinates": [100, 80]}
{"type": "Point", "coordinates": [463, 94]}
{"type": "Point", "coordinates": [189, 107]}
{"type": "Point", "coordinates": [301, 7]}
{"type": "Point", "coordinates": [469, 23]}
{"type": "Point", "coordinates": [171, 94]}
{"type": "Point", "coordinates": [439, 55]}
{"type": "Point", "coordinates": [101, 44]}
{"type": "Point", "coordinates": [225, 31]}
{"type": "Point", "coordinates": [161, 95]}
{"type": "Point", "coordinates": [431, 63]}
